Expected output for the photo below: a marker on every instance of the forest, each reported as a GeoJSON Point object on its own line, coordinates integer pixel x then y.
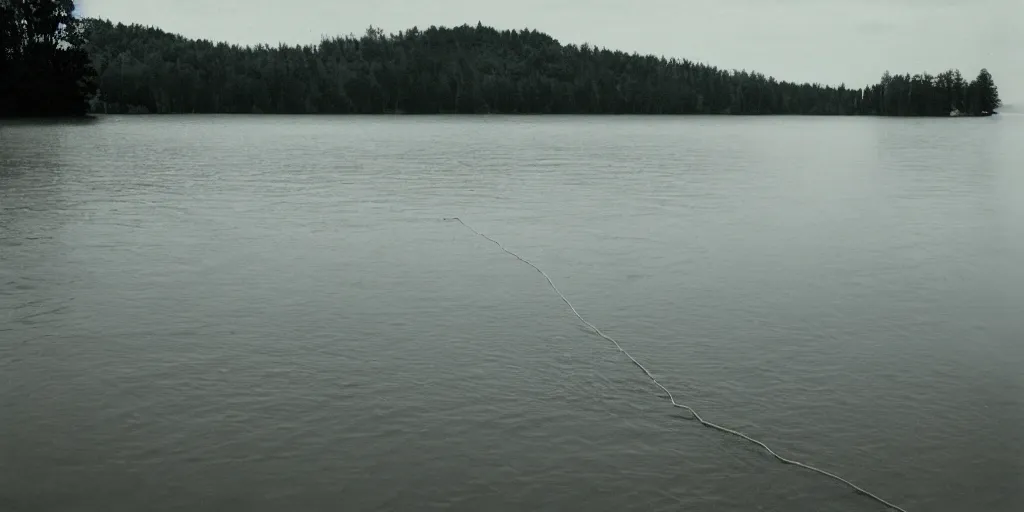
{"type": "Point", "coordinates": [56, 63]}
{"type": "Point", "coordinates": [44, 69]}
{"type": "Point", "coordinates": [475, 69]}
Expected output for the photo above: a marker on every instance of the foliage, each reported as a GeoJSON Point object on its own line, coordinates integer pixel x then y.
{"type": "Point", "coordinates": [471, 70]}
{"type": "Point", "coordinates": [44, 70]}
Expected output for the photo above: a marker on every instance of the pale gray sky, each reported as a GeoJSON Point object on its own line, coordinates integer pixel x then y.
{"type": "Point", "coordinates": [827, 41]}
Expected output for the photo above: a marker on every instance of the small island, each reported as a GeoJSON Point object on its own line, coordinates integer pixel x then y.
{"type": "Point", "coordinates": [93, 65]}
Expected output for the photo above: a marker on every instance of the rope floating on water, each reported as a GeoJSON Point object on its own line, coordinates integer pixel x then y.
{"type": "Point", "coordinates": [671, 398]}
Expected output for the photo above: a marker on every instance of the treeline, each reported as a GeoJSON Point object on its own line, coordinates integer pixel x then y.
{"type": "Point", "coordinates": [43, 69]}
{"type": "Point", "coordinates": [474, 70]}
{"type": "Point", "coordinates": [51, 64]}
{"type": "Point", "coordinates": [927, 95]}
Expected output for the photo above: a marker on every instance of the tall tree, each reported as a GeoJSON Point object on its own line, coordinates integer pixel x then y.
{"type": "Point", "coordinates": [44, 69]}
{"type": "Point", "coordinates": [986, 95]}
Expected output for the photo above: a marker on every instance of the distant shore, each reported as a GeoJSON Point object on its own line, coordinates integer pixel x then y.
{"type": "Point", "coordinates": [96, 115]}
{"type": "Point", "coordinates": [474, 70]}
{"type": "Point", "coordinates": [95, 66]}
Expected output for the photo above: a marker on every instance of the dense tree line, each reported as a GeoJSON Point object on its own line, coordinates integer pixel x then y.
{"type": "Point", "coordinates": [44, 70]}
{"type": "Point", "coordinates": [473, 70]}
{"type": "Point", "coordinates": [927, 95]}
{"type": "Point", "coordinates": [48, 68]}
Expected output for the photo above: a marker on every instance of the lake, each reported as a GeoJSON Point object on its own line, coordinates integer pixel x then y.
{"type": "Point", "coordinates": [270, 313]}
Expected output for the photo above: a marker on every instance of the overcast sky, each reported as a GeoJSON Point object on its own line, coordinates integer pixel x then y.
{"type": "Point", "coordinates": [828, 41]}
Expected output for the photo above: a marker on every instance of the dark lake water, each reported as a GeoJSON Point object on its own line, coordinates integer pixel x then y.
{"type": "Point", "coordinates": [269, 313]}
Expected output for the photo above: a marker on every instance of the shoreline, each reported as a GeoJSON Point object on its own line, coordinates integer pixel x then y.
{"type": "Point", "coordinates": [513, 114]}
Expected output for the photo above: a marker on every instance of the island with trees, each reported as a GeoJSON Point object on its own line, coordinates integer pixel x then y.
{"type": "Point", "coordinates": [55, 63]}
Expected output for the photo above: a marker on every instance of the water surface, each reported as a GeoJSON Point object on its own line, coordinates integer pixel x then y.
{"type": "Point", "coordinates": [269, 313]}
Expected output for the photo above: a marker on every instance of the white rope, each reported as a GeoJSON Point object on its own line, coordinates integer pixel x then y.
{"type": "Point", "coordinates": [671, 398]}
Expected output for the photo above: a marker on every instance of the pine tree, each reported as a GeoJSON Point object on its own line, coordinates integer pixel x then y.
{"type": "Point", "coordinates": [986, 91]}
